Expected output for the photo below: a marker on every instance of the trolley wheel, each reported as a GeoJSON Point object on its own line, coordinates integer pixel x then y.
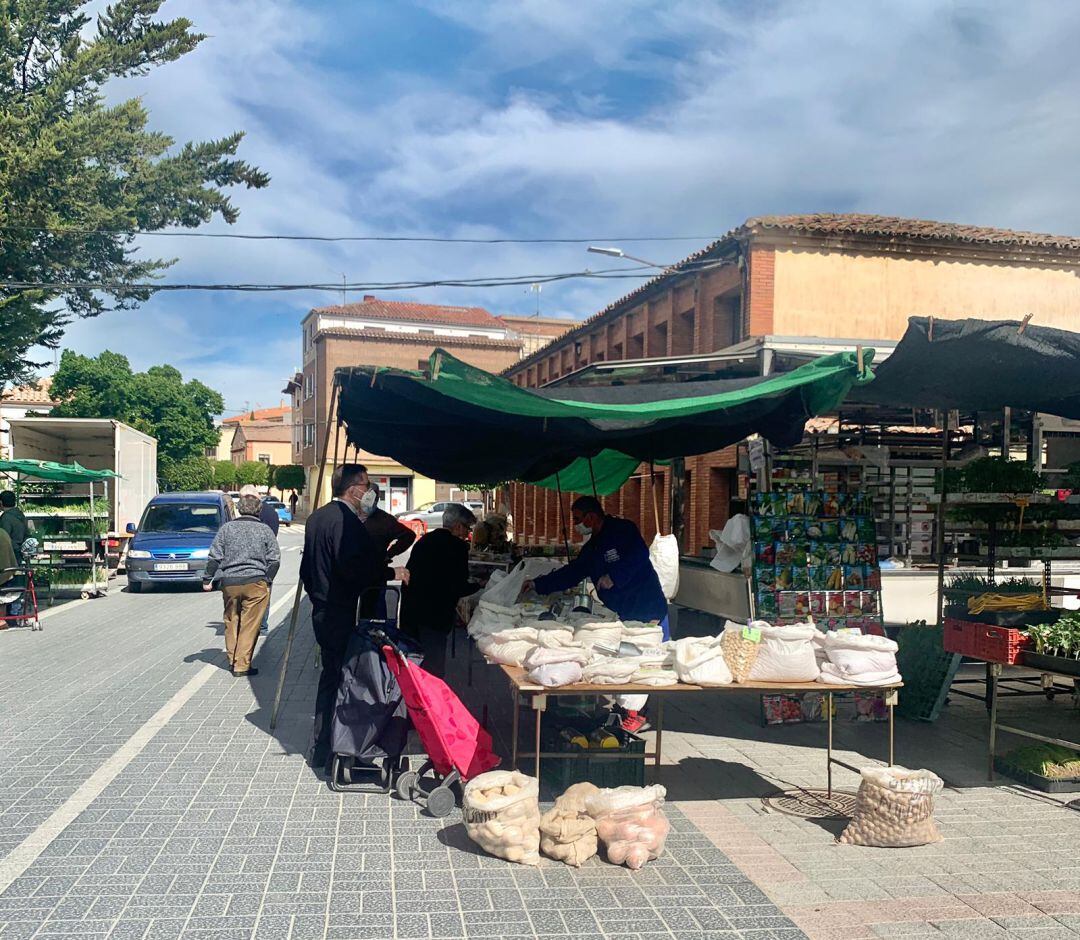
{"type": "Point", "coordinates": [392, 769]}
{"type": "Point", "coordinates": [441, 802]}
{"type": "Point", "coordinates": [85, 595]}
{"type": "Point", "coordinates": [406, 784]}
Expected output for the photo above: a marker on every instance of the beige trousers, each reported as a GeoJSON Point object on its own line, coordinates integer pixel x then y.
{"type": "Point", "coordinates": [245, 605]}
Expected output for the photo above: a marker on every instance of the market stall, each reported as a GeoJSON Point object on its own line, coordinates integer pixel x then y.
{"type": "Point", "coordinates": [68, 507]}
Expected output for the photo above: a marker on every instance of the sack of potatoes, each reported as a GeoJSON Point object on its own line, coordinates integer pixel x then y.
{"type": "Point", "coordinates": [567, 832]}
{"type": "Point", "coordinates": [501, 811]}
{"type": "Point", "coordinates": [894, 808]}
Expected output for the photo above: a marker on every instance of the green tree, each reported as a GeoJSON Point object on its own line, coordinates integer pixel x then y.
{"type": "Point", "coordinates": [289, 477]}
{"type": "Point", "coordinates": [251, 471]}
{"type": "Point", "coordinates": [158, 401]}
{"type": "Point", "coordinates": [224, 474]}
{"type": "Point", "coordinates": [191, 473]}
{"type": "Point", "coordinates": [79, 175]}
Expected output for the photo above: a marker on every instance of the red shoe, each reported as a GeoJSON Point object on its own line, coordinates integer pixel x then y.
{"type": "Point", "coordinates": [635, 723]}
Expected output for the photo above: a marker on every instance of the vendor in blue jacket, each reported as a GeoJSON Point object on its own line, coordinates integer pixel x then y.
{"type": "Point", "coordinates": [616, 558]}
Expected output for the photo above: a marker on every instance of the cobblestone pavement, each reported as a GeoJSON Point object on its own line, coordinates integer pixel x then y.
{"type": "Point", "coordinates": [143, 796]}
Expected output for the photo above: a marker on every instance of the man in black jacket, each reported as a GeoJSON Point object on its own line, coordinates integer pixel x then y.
{"type": "Point", "coordinates": [438, 578]}
{"type": "Point", "coordinates": [341, 560]}
{"type": "Point", "coordinates": [390, 535]}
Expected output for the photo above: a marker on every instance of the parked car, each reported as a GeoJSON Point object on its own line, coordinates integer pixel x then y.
{"type": "Point", "coordinates": [431, 513]}
{"type": "Point", "coordinates": [173, 538]}
{"type": "Point", "coordinates": [283, 514]}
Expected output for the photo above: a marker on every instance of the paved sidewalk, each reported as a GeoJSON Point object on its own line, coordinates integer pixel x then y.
{"type": "Point", "coordinates": [216, 828]}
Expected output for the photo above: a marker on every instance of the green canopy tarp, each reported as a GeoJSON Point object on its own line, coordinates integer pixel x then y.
{"type": "Point", "coordinates": [456, 422]}
{"type": "Point", "coordinates": [55, 472]}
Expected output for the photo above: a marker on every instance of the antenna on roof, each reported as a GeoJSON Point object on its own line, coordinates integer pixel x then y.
{"type": "Point", "coordinates": [536, 288]}
{"type": "Point", "coordinates": [343, 282]}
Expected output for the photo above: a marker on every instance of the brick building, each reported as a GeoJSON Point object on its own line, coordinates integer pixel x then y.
{"type": "Point", "coordinates": [828, 276]}
{"type": "Point", "coordinates": [401, 335]}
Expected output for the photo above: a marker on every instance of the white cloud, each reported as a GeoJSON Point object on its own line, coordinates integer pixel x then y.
{"type": "Point", "coordinates": [926, 108]}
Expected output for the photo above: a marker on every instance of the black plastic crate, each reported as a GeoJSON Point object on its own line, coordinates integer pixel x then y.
{"type": "Point", "coordinates": [1037, 781]}
{"type": "Point", "coordinates": [558, 773]}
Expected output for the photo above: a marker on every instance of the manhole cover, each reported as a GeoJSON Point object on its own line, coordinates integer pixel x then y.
{"type": "Point", "coordinates": [812, 804]}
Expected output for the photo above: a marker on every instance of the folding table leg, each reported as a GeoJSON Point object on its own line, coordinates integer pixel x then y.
{"type": "Point", "coordinates": [828, 745]}
{"type": "Point", "coordinates": [659, 729]}
{"type": "Point", "coordinates": [515, 711]}
{"type": "Point", "coordinates": [539, 704]}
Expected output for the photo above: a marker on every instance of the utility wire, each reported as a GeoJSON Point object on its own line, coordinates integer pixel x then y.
{"type": "Point", "coordinates": [433, 239]}
{"type": "Point", "coordinates": [636, 272]}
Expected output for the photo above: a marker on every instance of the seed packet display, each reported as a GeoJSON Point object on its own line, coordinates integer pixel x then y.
{"type": "Point", "coordinates": [818, 605]}
{"type": "Point", "coordinates": [852, 603]}
{"type": "Point", "coordinates": [784, 553]}
{"type": "Point", "coordinates": [868, 603]}
{"type": "Point", "coordinates": [795, 502]}
{"type": "Point", "coordinates": [785, 603]}
{"type": "Point", "coordinates": [796, 529]}
{"type": "Point", "coordinates": [784, 580]}
{"type": "Point", "coordinates": [800, 578]}
{"type": "Point", "coordinates": [763, 504]}
{"type": "Point", "coordinates": [833, 553]}
{"type": "Point", "coordinates": [834, 578]}
{"type": "Point", "coordinates": [766, 576]}
{"type": "Point", "coordinates": [867, 529]}
{"type": "Point", "coordinates": [867, 553]}
{"type": "Point", "coordinates": [802, 605]}
{"type": "Point", "coordinates": [814, 529]}
{"type": "Point", "coordinates": [818, 575]}
{"type": "Point", "coordinates": [835, 601]}
{"type": "Point", "coordinates": [764, 553]}
{"type": "Point", "coordinates": [873, 578]}
{"type": "Point", "coordinates": [798, 557]}
{"type": "Point", "coordinates": [777, 530]}
{"type": "Point", "coordinates": [833, 505]}
{"type": "Point", "coordinates": [767, 608]}
{"type": "Point", "coordinates": [815, 554]}
{"type": "Point", "coordinates": [830, 530]}
{"type": "Point", "coordinates": [812, 504]}
{"type": "Point", "coordinates": [849, 530]}
{"type": "Point", "coordinates": [854, 576]}
{"type": "Point", "coordinates": [849, 553]}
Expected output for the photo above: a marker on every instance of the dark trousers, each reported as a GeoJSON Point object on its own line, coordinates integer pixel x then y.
{"type": "Point", "coordinates": [433, 643]}
{"type": "Point", "coordinates": [332, 635]}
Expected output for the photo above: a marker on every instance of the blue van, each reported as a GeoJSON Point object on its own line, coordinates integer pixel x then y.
{"type": "Point", "coordinates": [173, 538]}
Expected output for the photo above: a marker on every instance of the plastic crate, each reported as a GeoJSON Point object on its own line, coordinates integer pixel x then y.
{"type": "Point", "coordinates": [982, 641]}
{"type": "Point", "coordinates": [559, 773]}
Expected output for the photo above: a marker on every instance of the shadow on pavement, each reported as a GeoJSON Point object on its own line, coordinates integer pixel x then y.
{"type": "Point", "coordinates": [215, 656]}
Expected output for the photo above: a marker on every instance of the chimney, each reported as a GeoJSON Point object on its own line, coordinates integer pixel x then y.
{"type": "Point", "coordinates": [368, 298]}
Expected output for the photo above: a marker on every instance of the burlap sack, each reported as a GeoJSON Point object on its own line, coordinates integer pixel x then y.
{"type": "Point", "coordinates": [567, 832]}
{"type": "Point", "coordinates": [894, 808]}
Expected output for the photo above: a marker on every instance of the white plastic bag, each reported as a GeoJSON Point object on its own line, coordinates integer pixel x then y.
{"type": "Point", "coordinates": [509, 647]}
{"type": "Point", "coordinates": [552, 675]}
{"type": "Point", "coordinates": [506, 591]}
{"type": "Point", "coordinates": [786, 654]}
{"type": "Point", "coordinates": [699, 660]}
{"type": "Point", "coordinates": [609, 670]}
{"type": "Point", "coordinates": [860, 654]}
{"type": "Point", "coordinates": [501, 813]}
{"type": "Point", "coordinates": [664, 555]}
{"type": "Point", "coordinates": [894, 808]}
{"type": "Point", "coordinates": [630, 823]}
{"type": "Point", "coordinates": [643, 635]}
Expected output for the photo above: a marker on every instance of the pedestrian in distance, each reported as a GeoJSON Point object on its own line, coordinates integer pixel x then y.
{"type": "Point", "coordinates": [13, 521]}
{"type": "Point", "coordinates": [438, 579]}
{"type": "Point", "coordinates": [244, 558]}
{"type": "Point", "coordinates": [268, 516]}
{"type": "Point", "coordinates": [293, 500]}
{"type": "Point", "coordinates": [340, 562]}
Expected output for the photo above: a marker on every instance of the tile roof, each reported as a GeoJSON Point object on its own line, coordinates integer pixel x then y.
{"type": "Point", "coordinates": [419, 339]}
{"type": "Point", "coordinates": [266, 431]}
{"type": "Point", "coordinates": [884, 227]}
{"type": "Point", "coordinates": [416, 313]}
{"type": "Point", "coordinates": [539, 326]}
{"type": "Point", "coordinates": [278, 415]}
{"type": "Point", "coordinates": [30, 394]}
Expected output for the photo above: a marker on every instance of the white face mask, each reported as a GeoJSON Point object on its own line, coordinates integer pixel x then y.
{"type": "Point", "coordinates": [367, 501]}
{"type": "Point", "coordinates": [583, 529]}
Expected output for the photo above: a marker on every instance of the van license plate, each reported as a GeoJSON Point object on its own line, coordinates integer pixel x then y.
{"type": "Point", "coordinates": [172, 566]}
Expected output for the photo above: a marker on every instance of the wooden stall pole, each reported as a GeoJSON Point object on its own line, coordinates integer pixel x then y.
{"type": "Point", "coordinates": [299, 583]}
{"type": "Point", "coordinates": [939, 533]}
{"type": "Point", "coordinates": [678, 501]}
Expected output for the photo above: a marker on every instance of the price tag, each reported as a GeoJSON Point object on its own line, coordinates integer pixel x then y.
{"type": "Point", "coordinates": [753, 634]}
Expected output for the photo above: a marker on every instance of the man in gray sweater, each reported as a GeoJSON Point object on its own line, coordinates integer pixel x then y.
{"type": "Point", "coordinates": [243, 559]}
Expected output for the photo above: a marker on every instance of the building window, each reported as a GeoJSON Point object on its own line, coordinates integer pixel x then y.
{"type": "Point", "coordinates": [309, 434]}
{"type": "Point", "coordinates": [264, 458]}
{"type": "Point", "coordinates": [309, 385]}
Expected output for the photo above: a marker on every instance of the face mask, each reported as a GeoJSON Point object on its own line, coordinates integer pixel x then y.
{"type": "Point", "coordinates": [367, 501]}
{"type": "Point", "coordinates": [583, 529]}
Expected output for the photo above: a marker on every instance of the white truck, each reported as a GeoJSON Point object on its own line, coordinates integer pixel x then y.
{"type": "Point", "coordinates": [97, 444]}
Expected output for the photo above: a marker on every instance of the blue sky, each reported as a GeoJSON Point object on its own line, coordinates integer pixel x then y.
{"type": "Point", "coordinates": [566, 118]}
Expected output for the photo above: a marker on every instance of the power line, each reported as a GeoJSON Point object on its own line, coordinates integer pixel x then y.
{"type": "Point", "coordinates": [635, 272]}
{"type": "Point", "coordinates": [429, 239]}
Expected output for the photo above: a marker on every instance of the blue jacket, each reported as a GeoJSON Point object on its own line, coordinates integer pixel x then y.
{"type": "Point", "coordinates": [619, 551]}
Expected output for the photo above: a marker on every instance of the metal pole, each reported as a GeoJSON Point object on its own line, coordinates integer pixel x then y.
{"type": "Point", "coordinates": [562, 516]}
{"type": "Point", "coordinates": [592, 476]}
{"type": "Point", "coordinates": [299, 583]}
{"type": "Point", "coordinates": [93, 545]}
{"type": "Point", "coordinates": [940, 522]}
{"type": "Point", "coordinates": [828, 762]}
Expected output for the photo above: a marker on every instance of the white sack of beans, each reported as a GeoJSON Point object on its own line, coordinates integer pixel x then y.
{"type": "Point", "coordinates": [501, 812]}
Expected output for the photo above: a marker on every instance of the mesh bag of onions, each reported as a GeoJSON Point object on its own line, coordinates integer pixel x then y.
{"type": "Point", "coordinates": [630, 823]}
{"type": "Point", "coordinates": [894, 808]}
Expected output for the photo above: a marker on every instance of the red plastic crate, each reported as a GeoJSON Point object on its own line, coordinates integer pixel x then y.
{"type": "Point", "coordinates": [983, 641]}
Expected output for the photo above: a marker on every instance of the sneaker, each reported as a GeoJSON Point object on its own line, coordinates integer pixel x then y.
{"type": "Point", "coordinates": [635, 723]}
{"type": "Point", "coordinates": [250, 672]}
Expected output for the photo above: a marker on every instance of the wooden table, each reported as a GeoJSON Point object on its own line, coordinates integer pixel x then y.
{"type": "Point", "coordinates": [522, 687]}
